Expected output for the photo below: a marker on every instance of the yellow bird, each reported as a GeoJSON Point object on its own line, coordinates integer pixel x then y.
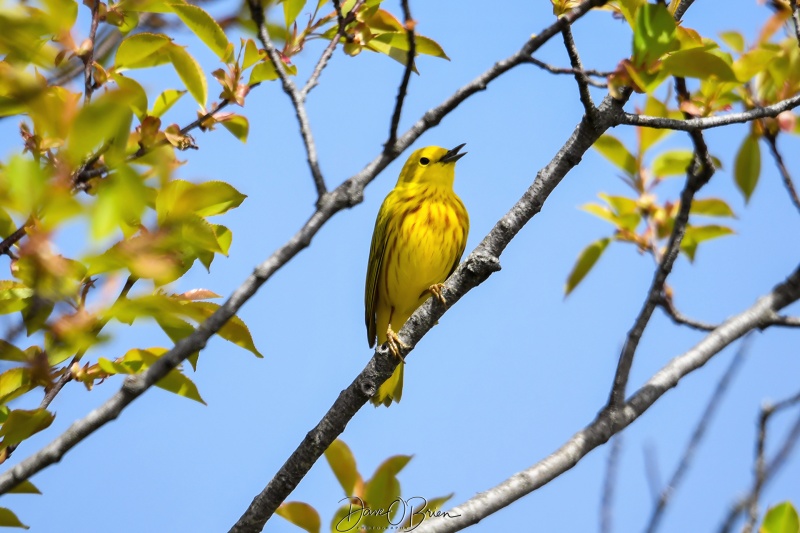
{"type": "Point", "coordinates": [419, 237]}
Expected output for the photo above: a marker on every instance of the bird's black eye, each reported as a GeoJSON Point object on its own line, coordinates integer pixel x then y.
{"type": "Point", "coordinates": [424, 161]}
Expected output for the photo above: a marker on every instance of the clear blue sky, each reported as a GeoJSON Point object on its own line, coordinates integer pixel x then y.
{"type": "Point", "coordinates": [508, 375]}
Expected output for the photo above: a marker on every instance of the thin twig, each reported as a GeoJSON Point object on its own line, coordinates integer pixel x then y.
{"type": "Point", "coordinates": [580, 77]}
{"type": "Point", "coordinates": [679, 318]}
{"type": "Point", "coordinates": [295, 95]}
{"type": "Point", "coordinates": [795, 19]}
{"type": "Point", "coordinates": [403, 89]}
{"type": "Point", "coordinates": [651, 471]}
{"type": "Point", "coordinates": [88, 57]}
{"type": "Point", "coordinates": [697, 435]}
{"type": "Point", "coordinates": [328, 52]}
{"type": "Point", "coordinates": [572, 71]}
{"type": "Point", "coordinates": [773, 467]}
{"type": "Point", "coordinates": [609, 485]}
{"type": "Point", "coordinates": [705, 123]}
{"type": "Point", "coordinates": [697, 176]}
{"type": "Point", "coordinates": [11, 240]}
{"type": "Point", "coordinates": [772, 142]}
{"type": "Point", "coordinates": [682, 7]}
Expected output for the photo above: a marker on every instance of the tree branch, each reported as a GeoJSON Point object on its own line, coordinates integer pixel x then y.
{"type": "Point", "coordinates": [772, 142]}
{"type": "Point", "coordinates": [602, 428]}
{"type": "Point", "coordinates": [697, 176]}
{"type": "Point", "coordinates": [326, 55]}
{"type": "Point", "coordinates": [697, 436]}
{"type": "Point", "coordinates": [560, 70]}
{"type": "Point", "coordinates": [403, 89]}
{"type": "Point", "coordinates": [693, 124]}
{"type": "Point", "coordinates": [607, 499]}
{"type": "Point", "coordinates": [344, 196]}
{"type": "Point", "coordinates": [679, 318]}
{"type": "Point", "coordinates": [795, 19]}
{"type": "Point", "coordinates": [295, 95]}
{"type": "Point", "coordinates": [771, 469]}
{"type": "Point", "coordinates": [580, 76]}
{"type": "Point", "coordinates": [88, 56]}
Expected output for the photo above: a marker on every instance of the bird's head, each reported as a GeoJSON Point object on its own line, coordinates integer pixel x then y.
{"type": "Point", "coordinates": [432, 164]}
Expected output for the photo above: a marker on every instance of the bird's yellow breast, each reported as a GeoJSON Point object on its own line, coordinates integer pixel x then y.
{"type": "Point", "coordinates": [427, 240]}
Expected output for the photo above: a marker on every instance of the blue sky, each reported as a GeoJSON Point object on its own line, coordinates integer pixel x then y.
{"type": "Point", "coordinates": [510, 372]}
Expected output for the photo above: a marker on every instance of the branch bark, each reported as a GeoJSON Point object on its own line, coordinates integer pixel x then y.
{"type": "Point", "coordinates": [603, 428]}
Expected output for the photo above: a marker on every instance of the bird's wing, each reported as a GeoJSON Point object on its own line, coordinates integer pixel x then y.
{"type": "Point", "coordinates": [377, 251]}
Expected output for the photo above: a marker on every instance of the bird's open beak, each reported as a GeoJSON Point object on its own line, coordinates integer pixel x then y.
{"type": "Point", "coordinates": [452, 155]}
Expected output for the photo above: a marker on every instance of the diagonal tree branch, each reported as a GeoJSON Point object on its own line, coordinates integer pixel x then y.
{"type": "Point", "coordinates": [697, 436]}
{"type": "Point", "coordinates": [403, 89]}
{"type": "Point", "coordinates": [295, 95]}
{"type": "Point", "coordinates": [772, 142]}
{"type": "Point", "coordinates": [344, 20]}
{"type": "Point", "coordinates": [603, 427]}
{"type": "Point", "coordinates": [346, 195]}
{"type": "Point", "coordinates": [698, 174]}
{"type": "Point", "coordinates": [580, 76]}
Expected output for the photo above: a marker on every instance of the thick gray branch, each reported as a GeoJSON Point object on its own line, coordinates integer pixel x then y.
{"type": "Point", "coordinates": [601, 429]}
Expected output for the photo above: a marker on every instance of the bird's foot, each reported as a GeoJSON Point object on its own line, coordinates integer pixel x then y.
{"type": "Point", "coordinates": [394, 344]}
{"type": "Point", "coordinates": [436, 291]}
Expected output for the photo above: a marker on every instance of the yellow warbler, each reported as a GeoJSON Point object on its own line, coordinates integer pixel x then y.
{"type": "Point", "coordinates": [419, 236]}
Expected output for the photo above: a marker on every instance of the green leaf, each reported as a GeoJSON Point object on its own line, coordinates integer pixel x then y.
{"type": "Point", "coordinates": [711, 207]}
{"type": "Point", "coordinates": [224, 237]}
{"type": "Point", "coordinates": [26, 183]}
{"type": "Point", "coordinates": [292, 8]}
{"type": "Point", "coordinates": [138, 100]}
{"type": "Point", "coordinates": [672, 163]}
{"type": "Point", "coordinates": [21, 424]}
{"type": "Point", "coordinates": [300, 514]}
{"type": "Point", "coordinates": [237, 125]}
{"type": "Point", "coordinates": [781, 518]}
{"type": "Point", "coordinates": [205, 27]}
{"type": "Point", "coordinates": [235, 330]}
{"type": "Point", "coordinates": [384, 488]}
{"type": "Point", "coordinates": [141, 50]}
{"type": "Point", "coordinates": [265, 71]}
{"type": "Point", "coordinates": [654, 34]}
{"type": "Point", "coordinates": [384, 42]}
{"type": "Point", "coordinates": [698, 63]}
{"type": "Point", "coordinates": [694, 235]}
{"type": "Point", "coordinates": [9, 352]}
{"type": "Point", "coordinates": [650, 136]}
{"type": "Point", "coordinates": [121, 200]}
{"type": "Point", "coordinates": [612, 149]}
{"type": "Point", "coordinates": [586, 260]}
{"type": "Point", "coordinates": [165, 101]}
{"type": "Point", "coordinates": [343, 463]}
{"type": "Point", "coordinates": [9, 519]}
{"type": "Point", "coordinates": [14, 383]}
{"type": "Point", "coordinates": [190, 72]}
{"type": "Point", "coordinates": [104, 121]}
{"type": "Point", "coordinates": [14, 296]}
{"type": "Point", "coordinates": [734, 40]}
{"type": "Point", "coordinates": [748, 166]}
{"type": "Point", "coordinates": [754, 62]}
{"type": "Point", "coordinates": [7, 226]}
{"type": "Point", "coordinates": [179, 199]}
{"type": "Point", "coordinates": [25, 487]}
{"type": "Point", "coordinates": [139, 360]}
{"type": "Point", "coordinates": [622, 204]}
{"type": "Point", "coordinates": [251, 54]}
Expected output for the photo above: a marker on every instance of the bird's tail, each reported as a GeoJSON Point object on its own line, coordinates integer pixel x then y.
{"type": "Point", "coordinates": [391, 390]}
